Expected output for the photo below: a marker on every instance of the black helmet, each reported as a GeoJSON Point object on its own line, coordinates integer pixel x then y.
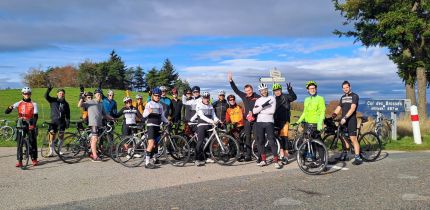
{"type": "Point", "coordinates": [196, 89]}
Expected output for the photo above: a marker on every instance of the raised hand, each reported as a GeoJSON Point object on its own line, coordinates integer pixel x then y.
{"type": "Point", "coordinates": [229, 76]}
{"type": "Point", "coordinates": [289, 87]}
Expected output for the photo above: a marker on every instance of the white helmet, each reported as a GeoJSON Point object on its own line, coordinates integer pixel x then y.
{"type": "Point", "coordinates": [138, 96]}
{"type": "Point", "coordinates": [221, 92]}
{"type": "Point", "coordinates": [110, 92]}
{"type": "Point", "coordinates": [262, 86]}
{"type": "Point", "coordinates": [206, 94]}
{"type": "Point", "coordinates": [126, 99]}
{"type": "Point", "coordinates": [163, 88]}
{"type": "Point", "coordinates": [26, 90]}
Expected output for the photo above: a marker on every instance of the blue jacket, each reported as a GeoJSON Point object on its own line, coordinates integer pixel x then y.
{"type": "Point", "coordinates": [110, 107]}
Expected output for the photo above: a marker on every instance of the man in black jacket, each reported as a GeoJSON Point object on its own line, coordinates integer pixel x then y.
{"type": "Point", "coordinates": [248, 98]}
{"type": "Point", "coordinates": [177, 110]}
{"type": "Point", "coordinates": [220, 106]}
{"type": "Point", "coordinates": [282, 116]}
{"type": "Point", "coordinates": [60, 118]}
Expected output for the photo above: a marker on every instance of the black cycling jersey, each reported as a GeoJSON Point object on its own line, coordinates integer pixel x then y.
{"type": "Point", "coordinates": [283, 113]}
{"type": "Point", "coordinates": [60, 110]}
{"type": "Point", "coordinates": [346, 101]}
{"type": "Point", "coordinates": [220, 109]}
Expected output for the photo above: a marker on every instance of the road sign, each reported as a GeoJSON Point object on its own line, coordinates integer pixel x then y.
{"type": "Point", "coordinates": [275, 73]}
{"type": "Point", "coordinates": [386, 105]}
{"type": "Point", "coordinates": [272, 79]}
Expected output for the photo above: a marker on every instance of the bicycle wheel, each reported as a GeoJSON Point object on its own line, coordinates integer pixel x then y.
{"type": "Point", "coordinates": [74, 149]}
{"type": "Point", "coordinates": [267, 148]}
{"type": "Point", "coordinates": [45, 149]}
{"type": "Point", "coordinates": [370, 146]}
{"type": "Point", "coordinates": [114, 140]}
{"type": "Point", "coordinates": [131, 151]}
{"type": "Point", "coordinates": [25, 152]}
{"type": "Point", "coordinates": [7, 133]}
{"type": "Point", "coordinates": [385, 132]}
{"type": "Point", "coordinates": [225, 153]}
{"type": "Point", "coordinates": [177, 150]}
{"type": "Point", "coordinates": [312, 157]}
{"type": "Point", "coordinates": [192, 143]}
{"type": "Point", "coordinates": [333, 144]}
{"type": "Point", "coordinates": [298, 142]}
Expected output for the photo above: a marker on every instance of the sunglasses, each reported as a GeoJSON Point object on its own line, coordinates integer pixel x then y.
{"type": "Point", "coordinates": [89, 97]}
{"type": "Point", "coordinates": [231, 100]}
{"type": "Point", "coordinates": [128, 102]}
{"type": "Point", "coordinates": [27, 94]}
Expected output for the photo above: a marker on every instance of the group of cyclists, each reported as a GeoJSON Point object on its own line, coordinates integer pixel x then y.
{"type": "Point", "coordinates": [261, 116]}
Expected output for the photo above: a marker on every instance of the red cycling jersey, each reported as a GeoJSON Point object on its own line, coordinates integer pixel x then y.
{"type": "Point", "coordinates": [26, 110]}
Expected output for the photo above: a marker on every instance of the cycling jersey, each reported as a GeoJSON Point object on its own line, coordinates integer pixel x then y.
{"type": "Point", "coordinates": [140, 106]}
{"type": "Point", "coordinates": [96, 112]}
{"type": "Point", "coordinates": [314, 110]}
{"type": "Point", "coordinates": [205, 114]}
{"type": "Point", "coordinates": [167, 106]}
{"type": "Point", "coordinates": [177, 110]}
{"type": "Point", "coordinates": [265, 114]}
{"type": "Point", "coordinates": [220, 107]}
{"type": "Point", "coordinates": [156, 116]}
{"type": "Point", "coordinates": [346, 101]}
{"type": "Point", "coordinates": [26, 109]}
{"type": "Point", "coordinates": [131, 114]}
{"type": "Point", "coordinates": [282, 113]}
{"type": "Point", "coordinates": [234, 115]}
{"type": "Point", "coordinates": [60, 110]}
{"type": "Point", "coordinates": [190, 106]}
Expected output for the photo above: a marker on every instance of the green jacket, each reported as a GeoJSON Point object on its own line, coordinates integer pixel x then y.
{"type": "Point", "coordinates": [314, 111]}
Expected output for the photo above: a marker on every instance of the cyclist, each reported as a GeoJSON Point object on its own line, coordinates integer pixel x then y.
{"type": "Point", "coordinates": [206, 116]}
{"type": "Point", "coordinates": [190, 103]}
{"type": "Point", "coordinates": [234, 117]}
{"type": "Point", "coordinates": [88, 96]}
{"type": "Point", "coordinates": [27, 110]}
{"type": "Point", "coordinates": [154, 113]}
{"type": "Point", "coordinates": [166, 102]}
{"type": "Point", "coordinates": [282, 116]}
{"type": "Point", "coordinates": [109, 103]}
{"type": "Point", "coordinates": [177, 109]}
{"type": "Point", "coordinates": [314, 110]}
{"type": "Point", "coordinates": [248, 98]}
{"type": "Point", "coordinates": [131, 115]}
{"type": "Point", "coordinates": [60, 118]}
{"type": "Point", "coordinates": [220, 106]}
{"type": "Point", "coordinates": [264, 108]}
{"type": "Point", "coordinates": [96, 113]}
{"type": "Point", "coordinates": [139, 103]}
{"type": "Point", "coordinates": [348, 104]}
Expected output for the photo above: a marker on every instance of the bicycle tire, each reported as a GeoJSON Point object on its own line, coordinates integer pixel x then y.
{"type": "Point", "coordinates": [131, 152]}
{"type": "Point", "coordinates": [7, 132]}
{"type": "Point", "coordinates": [317, 159]}
{"type": "Point", "coordinates": [74, 149]}
{"type": "Point", "coordinates": [331, 142]}
{"type": "Point", "coordinates": [231, 151]}
{"type": "Point", "coordinates": [176, 150]}
{"type": "Point", "coordinates": [370, 146]}
{"type": "Point", "coordinates": [25, 152]}
{"type": "Point", "coordinates": [267, 148]}
{"type": "Point", "coordinates": [44, 148]}
{"type": "Point", "coordinates": [113, 143]}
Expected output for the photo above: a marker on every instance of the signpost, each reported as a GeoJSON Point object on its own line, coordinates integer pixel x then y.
{"type": "Point", "coordinates": [275, 76]}
{"type": "Point", "coordinates": [391, 105]}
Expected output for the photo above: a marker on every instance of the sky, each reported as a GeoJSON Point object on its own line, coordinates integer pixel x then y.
{"type": "Point", "coordinates": [203, 39]}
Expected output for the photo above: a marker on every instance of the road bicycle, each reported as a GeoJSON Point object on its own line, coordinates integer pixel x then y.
{"type": "Point", "coordinates": [45, 149]}
{"type": "Point", "coordinates": [312, 155]}
{"type": "Point", "coordinates": [6, 131]}
{"type": "Point", "coordinates": [370, 144]}
{"type": "Point", "coordinates": [22, 138]}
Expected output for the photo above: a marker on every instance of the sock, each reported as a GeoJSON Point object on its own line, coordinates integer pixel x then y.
{"type": "Point", "coordinates": [275, 158]}
{"type": "Point", "coordinates": [148, 157]}
{"type": "Point", "coordinates": [263, 157]}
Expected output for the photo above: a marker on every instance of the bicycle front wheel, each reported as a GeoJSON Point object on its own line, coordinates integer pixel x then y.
{"type": "Point", "coordinates": [25, 152]}
{"type": "Point", "coordinates": [312, 157]}
{"type": "Point", "coordinates": [177, 150]}
{"type": "Point", "coordinates": [131, 152]}
{"type": "Point", "coordinates": [225, 151]}
{"type": "Point", "coordinates": [7, 132]}
{"type": "Point", "coordinates": [73, 149]}
{"type": "Point", "coordinates": [370, 146]}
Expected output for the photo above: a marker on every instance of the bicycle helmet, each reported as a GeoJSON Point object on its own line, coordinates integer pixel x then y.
{"type": "Point", "coordinates": [262, 86]}
{"type": "Point", "coordinates": [126, 99]}
{"type": "Point", "coordinates": [311, 82]}
{"type": "Point", "coordinates": [206, 94]}
{"type": "Point", "coordinates": [276, 86]}
{"type": "Point", "coordinates": [221, 92]}
{"type": "Point", "coordinates": [195, 89]}
{"type": "Point", "coordinates": [89, 94]}
{"type": "Point", "coordinates": [138, 96]}
{"type": "Point", "coordinates": [110, 92]}
{"type": "Point", "coordinates": [163, 88]}
{"type": "Point", "coordinates": [231, 97]}
{"type": "Point", "coordinates": [156, 91]}
{"type": "Point", "coordinates": [26, 90]}
{"type": "Point", "coordinates": [98, 91]}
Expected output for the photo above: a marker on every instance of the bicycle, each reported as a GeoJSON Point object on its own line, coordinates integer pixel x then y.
{"type": "Point", "coordinates": [45, 149]}
{"type": "Point", "coordinates": [370, 144]}
{"type": "Point", "coordinates": [223, 148]}
{"type": "Point", "coordinates": [77, 145]}
{"type": "Point", "coordinates": [23, 147]}
{"type": "Point", "coordinates": [267, 148]}
{"type": "Point", "coordinates": [6, 131]}
{"type": "Point", "coordinates": [382, 127]}
{"type": "Point", "coordinates": [131, 151]}
{"type": "Point", "coordinates": [312, 155]}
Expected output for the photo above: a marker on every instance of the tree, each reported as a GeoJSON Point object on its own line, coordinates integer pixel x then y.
{"type": "Point", "coordinates": [139, 79]}
{"type": "Point", "coordinates": [403, 26]}
{"type": "Point", "coordinates": [181, 85]}
{"type": "Point", "coordinates": [65, 76]}
{"type": "Point", "coordinates": [114, 71]}
{"type": "Point", "coordinates": [152, 78]}
{"type": "Point", "coordinates": [35, 78]}
{"type": "Point", "coordinates": [167, 74]}
{"type": "Point", "coordinates": [89, 74]}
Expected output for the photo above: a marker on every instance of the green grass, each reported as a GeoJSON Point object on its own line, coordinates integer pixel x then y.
{"type": "Point", "coordinates": [407, 144]}
{"type": "Point", "coordinates": [8, 97]}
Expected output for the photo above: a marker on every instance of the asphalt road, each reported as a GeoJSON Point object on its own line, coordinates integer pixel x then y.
{"type": "Point", "coordinates": [396, 181]}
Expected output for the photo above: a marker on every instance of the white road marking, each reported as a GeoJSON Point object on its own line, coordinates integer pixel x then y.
{"type": "Point", "coordinates": [337, 167]}
{"type": "Point", "coordinates": [405, 176]}
{"type": "Point", "coordinates": [415, 197]}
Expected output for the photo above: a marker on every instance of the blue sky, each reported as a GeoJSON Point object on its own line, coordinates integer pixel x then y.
{"type": "Point", "coordinates": [203, 39]}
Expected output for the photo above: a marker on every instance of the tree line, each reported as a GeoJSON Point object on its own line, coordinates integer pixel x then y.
{"type": "Point", "coordinates": [111, 74]}
{"type": "Point", "coordinates": [402, 26]}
